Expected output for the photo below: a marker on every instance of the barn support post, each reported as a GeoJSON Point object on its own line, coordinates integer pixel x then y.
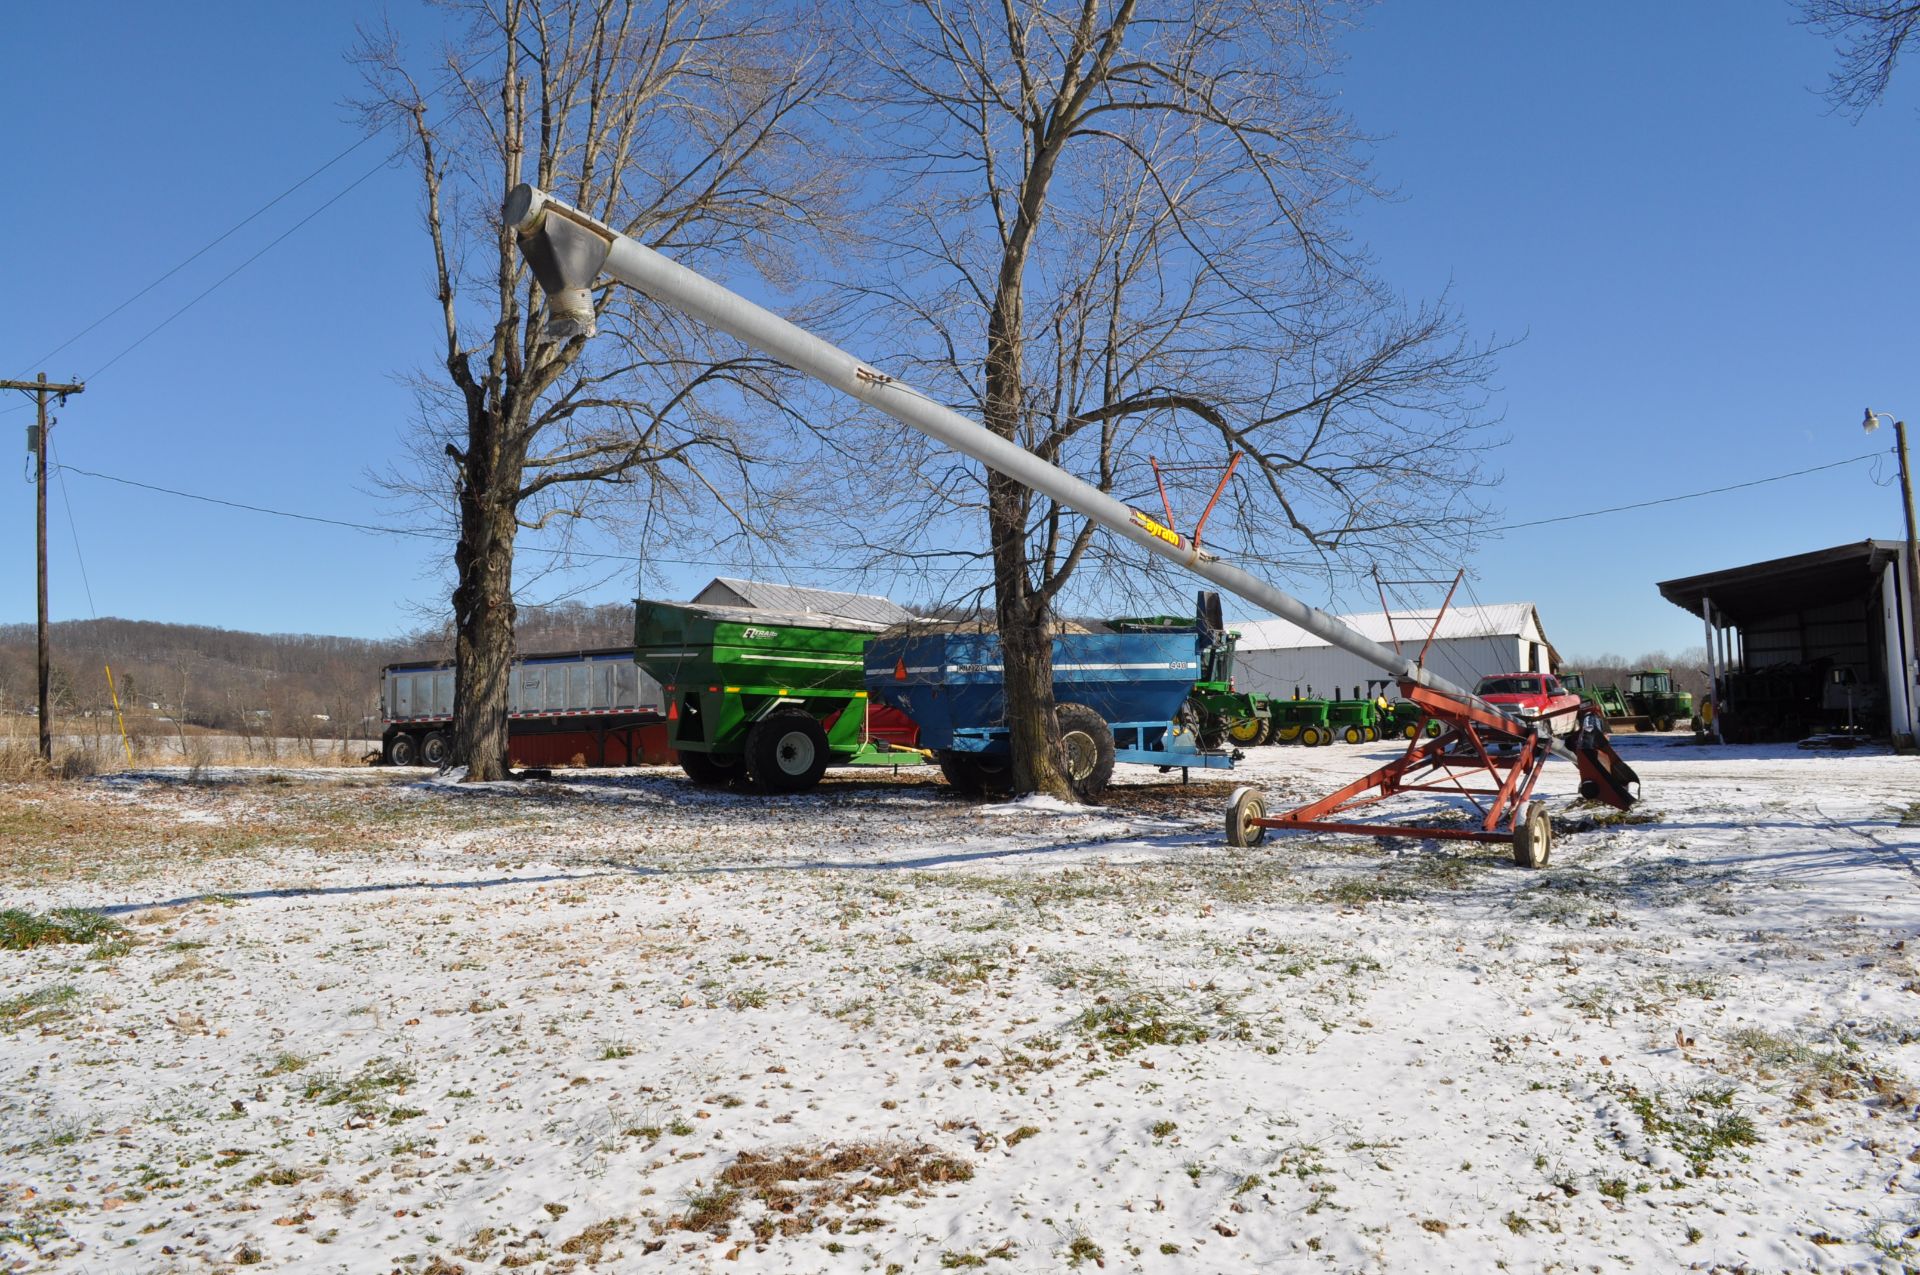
{"type": "Point", "coordinates": [1713, 667]}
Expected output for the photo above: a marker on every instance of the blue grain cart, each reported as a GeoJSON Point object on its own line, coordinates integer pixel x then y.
{"type": "Point", "coordinates": [1119, 698]}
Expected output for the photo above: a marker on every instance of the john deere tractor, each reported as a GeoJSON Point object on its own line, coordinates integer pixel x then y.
{"type": "Point", "coordinates": [1652, 699]}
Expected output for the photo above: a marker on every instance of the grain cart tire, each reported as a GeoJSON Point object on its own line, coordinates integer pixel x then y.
{"type": "Point", "coordinates": [1249, 731]}
{"type": "Point", "coordinates": [403, 750]}
{"type": "Point", "coordinates": [961, 774]}
{"type": "Point", "coordinates": [1243, 808]}
{"type": "Point", "coordinates": [710, 770]}
{"type": "Point", "coordinates": [1532, 837]}
{"type": "Point", "coordinates": [1088, 744]}
{"type": "Point", "coordinates": [995, 772]}
{"type": "Point", "coordinates": [786, 752]}
{"type": "Point", "coordinates": [435, 751]}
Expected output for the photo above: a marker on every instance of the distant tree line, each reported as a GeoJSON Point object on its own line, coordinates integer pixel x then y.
{"type": "Point", "coordinates": [298, 685]}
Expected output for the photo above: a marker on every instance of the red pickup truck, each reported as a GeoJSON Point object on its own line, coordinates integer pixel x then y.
{"type": "Point", "coordinates": [1533, 695]}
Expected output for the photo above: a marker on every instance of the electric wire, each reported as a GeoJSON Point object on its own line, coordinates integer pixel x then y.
{"type": "Point", "coordinates": [1692, 495]}
{"type": "Point", "coordinates": [275, 242]}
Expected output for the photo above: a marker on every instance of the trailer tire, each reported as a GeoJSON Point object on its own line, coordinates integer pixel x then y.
{"type": "Point", "coordinates": [435, 751]}
{"type": "Point", "coordinates": [1532, 837]}
{"type": "Point", "coordinates": [1087, 742]}
{"type": "Point", "coordinates": [960, 773]}
{"type": "Point", "coordinates": [1243, 808]}
{"type": "Point", "coordinates": [403, 750]}
{"type": "Point", "coordinates": [710, 770]}
{"type": "Point", "coordinates": [787, 752]}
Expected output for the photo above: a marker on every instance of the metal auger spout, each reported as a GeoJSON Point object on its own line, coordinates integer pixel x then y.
{"type": "Point", "coordinates": [566, 249]}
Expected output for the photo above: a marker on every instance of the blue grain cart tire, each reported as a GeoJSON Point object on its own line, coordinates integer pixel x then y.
{"type": "Point", "coordinates": [1088, 744]}
{"type": "Point", "coordinates": [977, 774]}
{"type": "Point", "coordinates": [711, 770]}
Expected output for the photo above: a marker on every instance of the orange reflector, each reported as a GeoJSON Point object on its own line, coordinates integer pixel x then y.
{"type": "Point", "coordinates": [900, 669]}
{"type": "Point", "coordinates": [673, 710]}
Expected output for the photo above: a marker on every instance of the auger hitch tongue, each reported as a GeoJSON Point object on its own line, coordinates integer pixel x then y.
{"type": "Point", "coordinates": [568, 250]}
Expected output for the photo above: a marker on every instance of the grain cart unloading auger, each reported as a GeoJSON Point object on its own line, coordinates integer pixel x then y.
{"type": "Point", "coordinates": [1482, 752]}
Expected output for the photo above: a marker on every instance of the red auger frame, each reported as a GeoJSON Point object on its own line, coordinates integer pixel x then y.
{"type": "Point", "coordinates": [1477, 746]}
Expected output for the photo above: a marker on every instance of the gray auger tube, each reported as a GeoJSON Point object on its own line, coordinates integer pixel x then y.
{"type": "Point", "coordinates": [568, 250]}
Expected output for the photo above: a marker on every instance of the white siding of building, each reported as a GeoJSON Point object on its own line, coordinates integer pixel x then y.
{"type": "Point", "coordinates": [1277, 659]}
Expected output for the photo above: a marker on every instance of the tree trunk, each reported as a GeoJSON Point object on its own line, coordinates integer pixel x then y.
{"type": "Point", "coordinates": [1025, 645]}
{"type": "Point", "coordinates": [483, 611]}
{"type": "Point", "coordinates": [1026, 648]}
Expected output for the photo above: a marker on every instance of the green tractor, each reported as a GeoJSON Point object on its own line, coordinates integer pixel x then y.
{"type": "Point", "coordinates": [1215, 712]}
{"type": "Point", "coordinates": [1652, 700]}
{"type": "Point", "coordinates": [1649, 702]}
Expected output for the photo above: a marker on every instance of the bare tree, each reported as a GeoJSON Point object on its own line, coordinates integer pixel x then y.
{"type": "Point", "coordinates": [673, 120]}
{"type": "Point", "coordinates": [1870, 35]}
{"type": "Point", "coordinates": [1117, 235]}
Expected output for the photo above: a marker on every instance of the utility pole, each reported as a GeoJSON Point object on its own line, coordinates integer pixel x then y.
{"type": "Point", "coordinates": [1872, 423]}
{"type": "Point", "coordinates": [37, 446]}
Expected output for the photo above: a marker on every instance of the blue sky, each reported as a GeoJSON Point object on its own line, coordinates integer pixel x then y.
{"type": "Point", "coordinates": [1710, 274]}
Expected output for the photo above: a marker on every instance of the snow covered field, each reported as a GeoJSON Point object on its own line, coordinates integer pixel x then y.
{"type": "Point", "coordinates": [357, 1021]}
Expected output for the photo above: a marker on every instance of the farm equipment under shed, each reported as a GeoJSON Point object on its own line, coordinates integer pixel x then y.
{"type": "Point", "coordinates": [568, 250]}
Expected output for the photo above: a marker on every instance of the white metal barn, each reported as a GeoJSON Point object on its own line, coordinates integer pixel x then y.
{"type": "Point", "coordinates": [1275, 658]}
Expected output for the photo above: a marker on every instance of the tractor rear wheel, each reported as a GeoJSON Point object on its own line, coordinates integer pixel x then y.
{"type": "Point", "coordinates": [710, 770]}
{"type": "Point", "coordinates": [1288, 733]}
{"type": "Point", "coordinates": [1088, 744]}
{"type": "Point", "coordinates": [787, 752]}
{"type": "Point", "coordinates": [1247, 731]}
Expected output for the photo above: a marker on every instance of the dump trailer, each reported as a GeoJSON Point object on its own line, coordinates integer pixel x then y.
{"type": "Point", "coordinates": [770, 697]}
{"type": "Point", "coordinates": [568, 250]}
{"type": "Point", "coordinates": [564, 708]}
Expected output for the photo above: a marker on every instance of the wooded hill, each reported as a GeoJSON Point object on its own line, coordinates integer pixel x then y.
{"type": "Point", "coordinates": [297, 684]}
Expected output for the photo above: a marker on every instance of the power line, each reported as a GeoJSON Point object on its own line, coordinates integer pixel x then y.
{"type": "Point", "coordinates": [445, 538]}
{"type": "Point", "coordinates": [1692, 495]}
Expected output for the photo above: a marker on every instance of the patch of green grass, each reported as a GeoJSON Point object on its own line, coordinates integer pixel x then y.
{"type": "Point", "coordinates": [747, 998]}
{"type": "Point", "coordinates": [1700, 1126]}
{"type": "Point", "coordinates": [1161, 1128]}
{"type": "Point", "coordinates": [615, 1049]}
{"type": "Point", "coordinates": [1125, 1025]}
{"type": "Point", "coordinates": [31, 1009]}
{"type": "Point", "coordinates": [1360, 891]}
{"type": "Point", "coordinates": [20, 930]}
{"type": "Point", "coordinates": [284, 1063]}
{"type": "Point", "coordinates": [379, 1077]}
{"type": "Point", "coordinates": [1082, 1249]}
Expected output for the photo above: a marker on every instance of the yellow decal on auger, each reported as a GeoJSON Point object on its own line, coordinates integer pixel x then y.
{"type": "Point", "coordinates": [1154, 529]}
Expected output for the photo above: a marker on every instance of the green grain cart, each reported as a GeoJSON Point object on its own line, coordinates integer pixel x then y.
{"type": "Point", "coordinates": [770, 697]}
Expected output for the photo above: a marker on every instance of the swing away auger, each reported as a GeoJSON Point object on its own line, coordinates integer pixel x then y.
{"type": "Point", "coordinates": [569, 250]}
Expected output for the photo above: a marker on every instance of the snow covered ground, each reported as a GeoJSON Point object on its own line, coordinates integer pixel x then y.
{"type": "Point", "coordinates": [360, 1022]}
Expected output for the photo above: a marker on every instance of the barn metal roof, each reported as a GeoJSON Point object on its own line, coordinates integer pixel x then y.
{"type": "Point", "coordinates": [1783, 586]}
{"type": "Point", "coordinates": [1499, 619]}
{"type": "Point", "coordinates": [791, 599]}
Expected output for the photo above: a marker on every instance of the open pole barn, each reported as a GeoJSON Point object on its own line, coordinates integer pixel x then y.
{"type": "Point", "coordinates": [1818, 642]}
